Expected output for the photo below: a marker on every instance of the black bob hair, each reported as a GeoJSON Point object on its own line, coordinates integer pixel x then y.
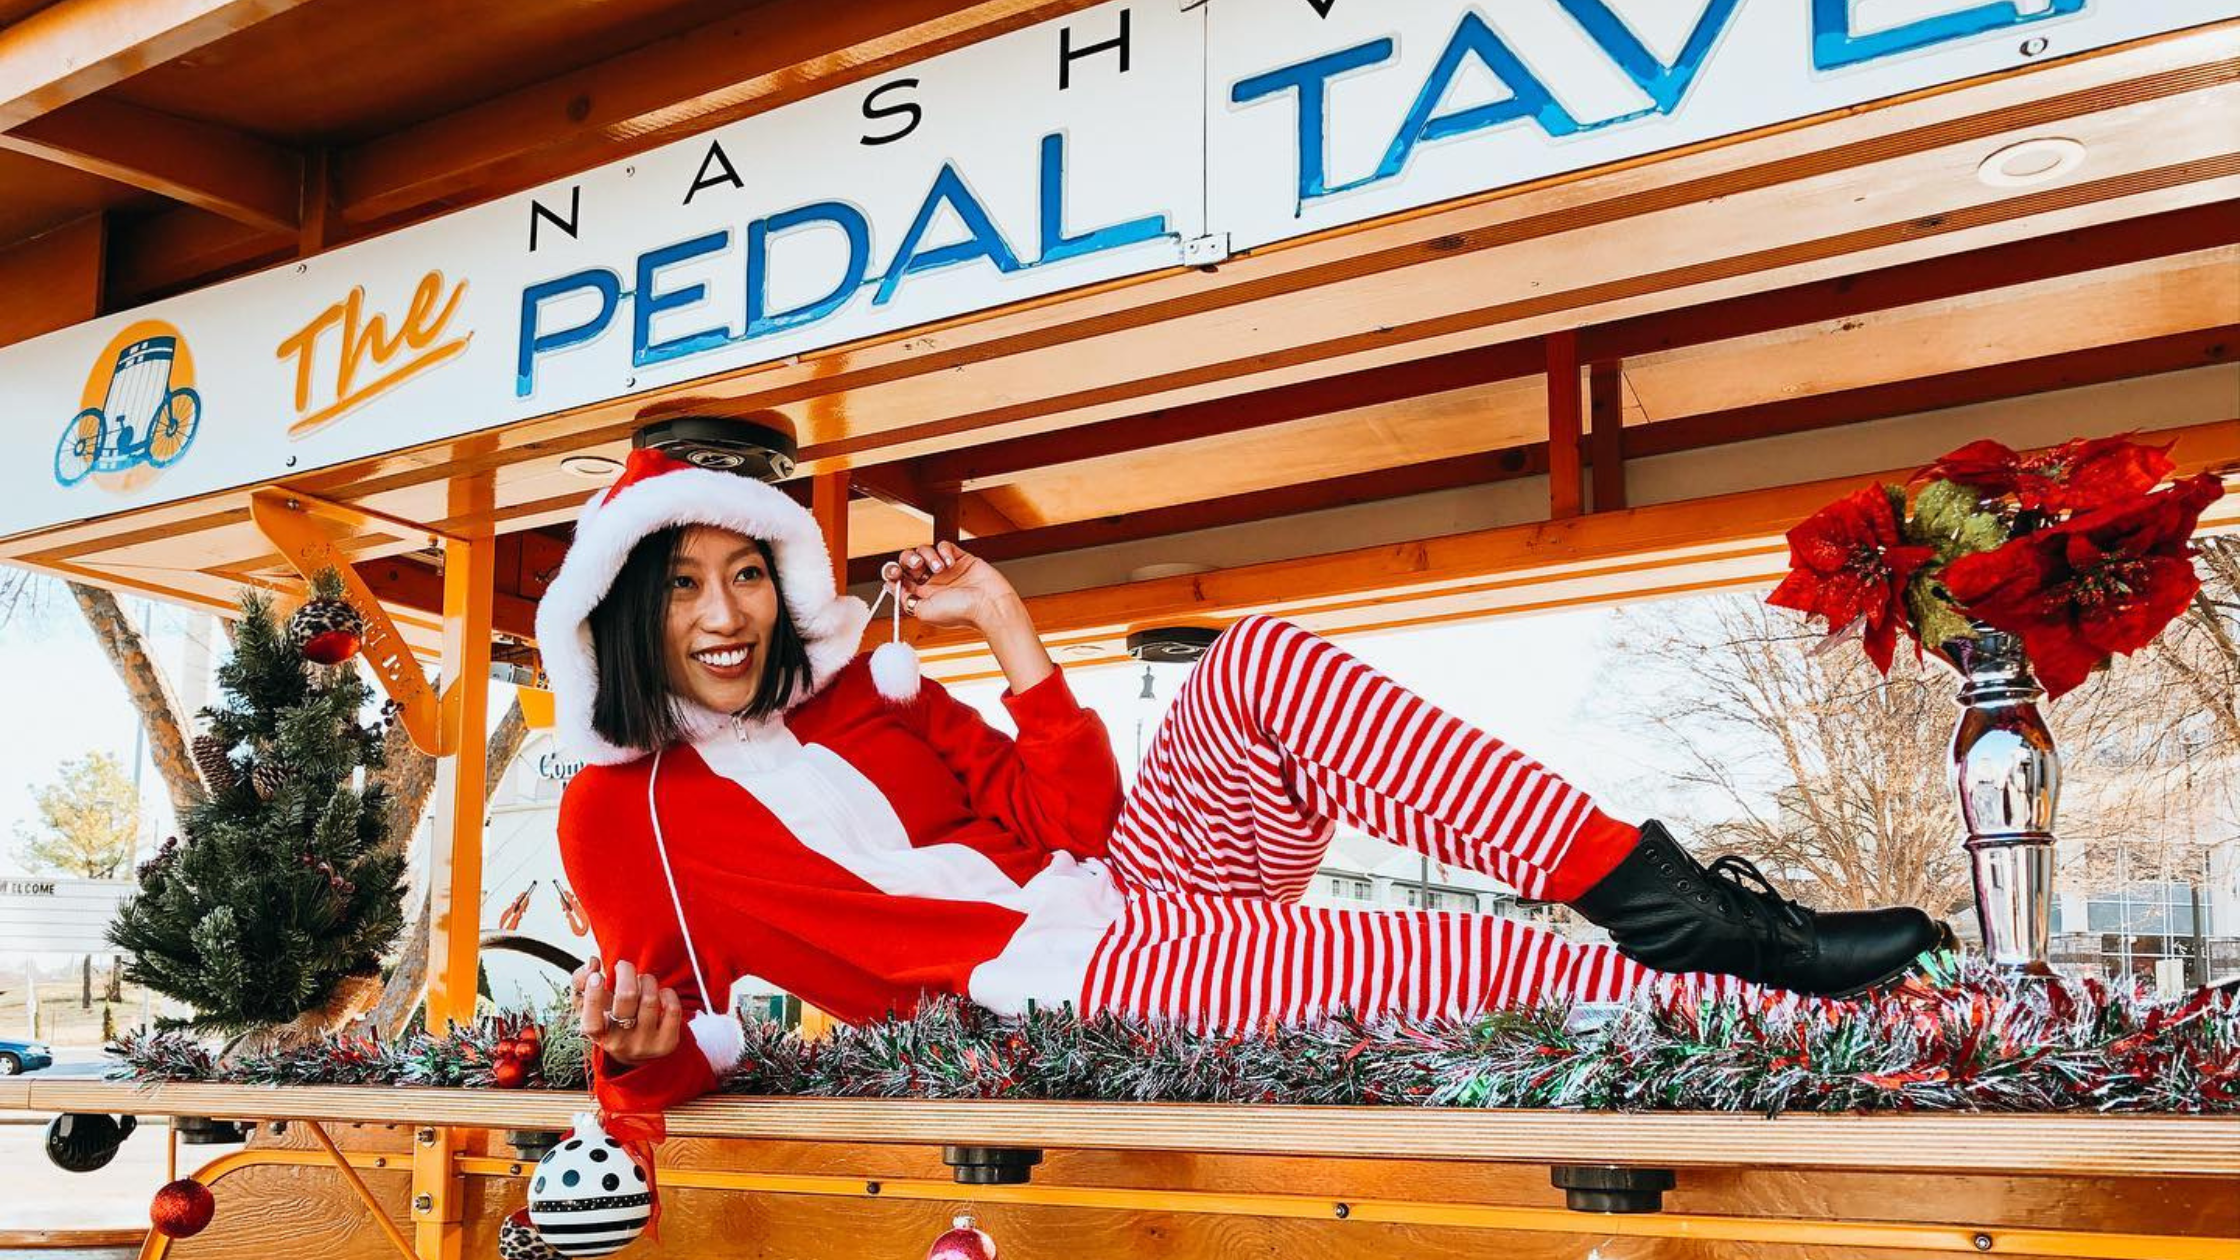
{"type": "Point", "coordinates": [634, 707]}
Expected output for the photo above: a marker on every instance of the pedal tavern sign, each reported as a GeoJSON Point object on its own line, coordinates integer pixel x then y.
{"type": "Point", "coordinates": [1123, 139]}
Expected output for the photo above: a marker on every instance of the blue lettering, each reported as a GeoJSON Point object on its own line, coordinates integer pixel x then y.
{"type": "Point", "coordinates": [1835, 46]}
{"type": "Point", "coordinates": [1665, 85]}
{"type": "Point", "coordinates": [1529, 98]}
{"type": "Point", "coordinates": [760, 321]}
{"type": "Point", "coordinates": [1056, 245]}
{"type": "Point", "coordinates": [534, 342]}
{"type": "Point", "coordinates": [643, 351]}
{"type": "Point", "coordinates": [982, 239]}
{"type": "Point", "coordinates": [1310, 79]}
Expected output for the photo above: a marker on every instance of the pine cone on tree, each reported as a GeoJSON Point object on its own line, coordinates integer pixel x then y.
{"type": "Point", "coordinates": [217, 768]}
{"type": "Point", "coordinates": [268, 778]}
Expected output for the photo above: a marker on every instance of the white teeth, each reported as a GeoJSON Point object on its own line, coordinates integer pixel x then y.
{"type": "Point", "coordinates": [723, 660]}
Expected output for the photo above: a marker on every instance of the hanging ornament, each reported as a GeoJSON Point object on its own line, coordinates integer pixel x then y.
{"type": "Point", "coordinates": [964, 1241]}
{"type": "Point", "coordinates": [519, 1240]}
{"type": "Point", "coordinates": [894, 664]}
{"type": "Point", "coordinates": [327, 630]}
{"type": "Point", "coordinates": [82, 1143]}
{"type": "Point", "coordinates": [589, 1198]}
{"type": "Point", "coordinates": [182, 1209]}
{"type": "Point", "coordinates": [217, 768]}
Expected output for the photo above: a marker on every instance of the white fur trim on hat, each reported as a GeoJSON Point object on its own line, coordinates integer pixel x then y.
{"type": "Point", "coordinates": [831, 624]}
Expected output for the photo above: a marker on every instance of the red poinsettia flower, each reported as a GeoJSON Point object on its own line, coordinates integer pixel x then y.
{"type": "Point", "coordinates": [1846, 564]}
{"type": "Point", "coordinates": [2076, 476]}
{"type": "Point", "coordinates": [2101, 583]}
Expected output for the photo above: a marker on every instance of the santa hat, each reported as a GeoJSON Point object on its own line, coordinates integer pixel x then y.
{"type": "Point", "coordinates": [655, 492]}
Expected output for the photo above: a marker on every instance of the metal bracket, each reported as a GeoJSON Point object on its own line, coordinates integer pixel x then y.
{"type": "Point", "coordinates": [1205, 251]}
{"type": "Point", "coordinates": [304, 529]}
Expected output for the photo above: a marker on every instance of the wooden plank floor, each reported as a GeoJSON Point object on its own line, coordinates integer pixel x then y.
{"type": "Point", "coordinates": [2111, 1146]}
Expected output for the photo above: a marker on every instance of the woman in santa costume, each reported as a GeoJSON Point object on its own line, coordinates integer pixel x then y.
{"type": "Point", "coordinates": [761, 799]}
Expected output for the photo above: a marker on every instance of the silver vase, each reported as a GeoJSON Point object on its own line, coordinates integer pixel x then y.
{"type": "Point", "coordinates": [2008, 776]}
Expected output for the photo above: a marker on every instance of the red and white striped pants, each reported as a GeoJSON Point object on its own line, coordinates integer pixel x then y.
{"type": "Point", "coordinates": [1276, 736]}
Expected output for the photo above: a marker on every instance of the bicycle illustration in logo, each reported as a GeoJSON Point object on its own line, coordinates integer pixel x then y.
{"type": "Point", "coordinates": [147, 417]}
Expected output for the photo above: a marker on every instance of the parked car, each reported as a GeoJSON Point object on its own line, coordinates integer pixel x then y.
{"type": "Point", "coordinates": [24, 1056]}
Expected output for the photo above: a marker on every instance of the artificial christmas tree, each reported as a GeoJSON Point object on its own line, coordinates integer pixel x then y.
{"type": "Point", "coordinates": [283, 898]}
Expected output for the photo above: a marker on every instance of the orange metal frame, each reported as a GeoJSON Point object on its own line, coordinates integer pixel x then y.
{"type": "Point", "coordinates": [454, 727]}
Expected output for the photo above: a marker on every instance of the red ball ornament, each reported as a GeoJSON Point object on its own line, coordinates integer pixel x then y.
{"type": "Point", "coordinates": [509, 1073]}
{"type": "Point", "coordinates": [964, 1242]}
{"type": "Point", "coordinates": [182, 1209]}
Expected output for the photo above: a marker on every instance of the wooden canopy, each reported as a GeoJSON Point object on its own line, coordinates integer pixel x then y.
{"type": "Point", "coordinates": [1693, 312]}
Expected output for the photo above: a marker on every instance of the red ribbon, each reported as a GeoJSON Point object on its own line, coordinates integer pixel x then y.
{"type": "Point", "coordinates": [638, 1131]}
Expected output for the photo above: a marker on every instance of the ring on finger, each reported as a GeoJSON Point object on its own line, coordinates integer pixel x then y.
{"type": "Point", "coordinates": [623, 1022]}
{"type": "Point", "coordinates": [910, 605]}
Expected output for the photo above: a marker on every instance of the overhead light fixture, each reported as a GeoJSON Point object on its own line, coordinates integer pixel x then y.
{"type": "Point", "coordinates": [590, 467]}
{"type": "Point", "coordinates": [759, 445]}
{"type": "Point", "coordinates": [1171, 645]}
{"type": "Point", "coordinates": [2037, 161]}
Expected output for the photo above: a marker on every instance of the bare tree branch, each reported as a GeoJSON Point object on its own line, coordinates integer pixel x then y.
{"type": "Point", "coordinates": [410, 976]}
{"type": "Point", "coordinates": [149, 691]}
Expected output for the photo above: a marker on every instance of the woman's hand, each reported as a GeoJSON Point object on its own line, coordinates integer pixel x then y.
{"type": "Point", "coordinates": [654, 1015]}
{"type": "Point", "coordinates": [944, 585]}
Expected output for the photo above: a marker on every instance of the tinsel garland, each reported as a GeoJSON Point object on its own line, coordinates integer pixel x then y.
{"type": "Point", "coordinates": [1963, 1039]}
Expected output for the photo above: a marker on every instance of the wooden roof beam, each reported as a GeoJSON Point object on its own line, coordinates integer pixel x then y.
{"type": "Point", "coordinates": [52, 280]}
{"type": "Point", "coordinates": [1470, 572]}
{"type": "Point", "coordinates": [236, 176]}
{"type": "Point", "coordinates": [2099, 365]}
{"type": "Point", "coordinates": [895, 484]}
{"type": "Point", "coordinates": [72, 49]}
{"type": "Point", "coordinates": [2110, 245]}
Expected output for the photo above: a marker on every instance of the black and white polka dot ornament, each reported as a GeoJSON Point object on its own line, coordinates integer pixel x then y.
{"type": "Point", "coordinates": [587, 1196]}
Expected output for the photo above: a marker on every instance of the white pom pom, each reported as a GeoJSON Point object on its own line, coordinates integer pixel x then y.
{"type": "Point", "coordinates": [894, 671]}
{"type": "Point", "coordinates": [720, 1039]}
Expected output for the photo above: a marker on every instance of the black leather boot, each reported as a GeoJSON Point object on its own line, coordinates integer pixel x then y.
{"type": "Point", "coordinates": [1665, 910]}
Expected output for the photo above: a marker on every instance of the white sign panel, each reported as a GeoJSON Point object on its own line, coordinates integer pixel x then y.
{"type": "Point", "coordinates": [1059, 155]}
{"type": "Point", "coordinates": [1327, 112]}
{"type": "Point", "coordinates": [1072, 152]}
{"type": "Point", "coordinates": [47, 915]}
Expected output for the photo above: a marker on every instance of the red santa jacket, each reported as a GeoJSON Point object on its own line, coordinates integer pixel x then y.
{"type": "Point", "coordinates": [857, 852]}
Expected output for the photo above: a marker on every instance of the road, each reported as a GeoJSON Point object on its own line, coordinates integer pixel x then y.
{"type": "Point", "coordinates": [42, 1196]}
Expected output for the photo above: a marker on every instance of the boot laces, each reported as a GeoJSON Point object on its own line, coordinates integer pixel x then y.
{"type": "Point", "coordinates": [1745, 876]}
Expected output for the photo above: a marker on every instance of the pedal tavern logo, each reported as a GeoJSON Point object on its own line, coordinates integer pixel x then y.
{"type": "Point", "coordinates": [364, 360]}
{"type": "Point", "coordinates": [139, 412]}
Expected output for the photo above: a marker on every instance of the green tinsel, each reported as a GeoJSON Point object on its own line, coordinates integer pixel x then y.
{"type": "Point", "coordinates": [1963, 1039]}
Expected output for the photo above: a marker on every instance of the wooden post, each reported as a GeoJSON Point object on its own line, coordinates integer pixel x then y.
{"type": "Point", "coordinates": [828, 502]}
{"type": "Point", "coordinates": [1606, 406]}
{"type": "Point", "coordinates": [946, 509]}
{"type": "Point", "coordinates": [1564, 493]}
{"type": "Point", "coordinates": [455, 865]}
{"type": "Point", "coordinates": [316, 223]}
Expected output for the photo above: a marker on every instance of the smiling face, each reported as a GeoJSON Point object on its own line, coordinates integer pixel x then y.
{"type": "Point", "coordinates": [722, 610]}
